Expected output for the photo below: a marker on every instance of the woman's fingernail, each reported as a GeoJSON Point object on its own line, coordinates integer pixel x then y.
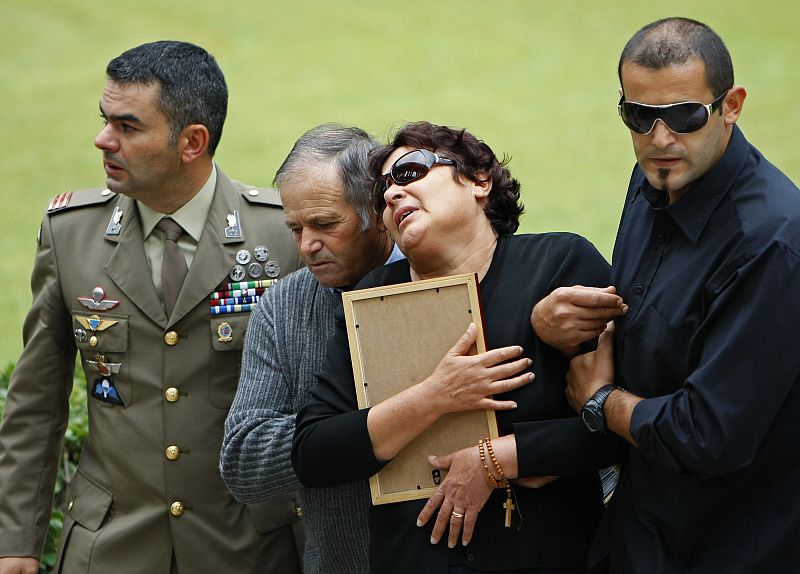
{"type": "Point", "coordinates": [419, 522]}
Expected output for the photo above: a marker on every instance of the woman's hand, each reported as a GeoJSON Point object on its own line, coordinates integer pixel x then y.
{"type": "Point", "coordinates": [459, 498]}
{"type": "Point", "coordinates": [463, 382]}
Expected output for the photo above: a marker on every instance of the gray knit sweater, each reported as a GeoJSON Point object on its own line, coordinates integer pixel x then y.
{"type": "Point", "coordinates": [285, 345]}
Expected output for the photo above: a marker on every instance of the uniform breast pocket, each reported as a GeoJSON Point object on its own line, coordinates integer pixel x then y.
{"type": "Point", "coordinates": [103, 344]}
{"type": "Point", "coordinates": [227, 340]}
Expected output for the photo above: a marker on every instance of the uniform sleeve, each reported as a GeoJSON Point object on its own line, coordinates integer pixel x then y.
{"type": "Point", "coordinates": [331, 443]}
{"type": "Point", "coordinates": [744, 371]}
{"type": "Point", "coordinates": [37, 410]}
{"type": "Point", "coordinates": [255, 460]}
{"type": "Point", "coordinates": [565, 446]}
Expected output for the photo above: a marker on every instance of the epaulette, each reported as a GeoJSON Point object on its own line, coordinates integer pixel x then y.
{"type": "Point", "coordinates": [80, 198]}
{"type": "Point", "coordinates": [264, 196]}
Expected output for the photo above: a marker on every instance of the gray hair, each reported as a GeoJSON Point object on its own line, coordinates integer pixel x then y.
{"type": "Point", "coordinates": [348, 149]}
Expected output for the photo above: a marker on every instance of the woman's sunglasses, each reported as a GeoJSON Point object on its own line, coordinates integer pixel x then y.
{"type": "Point", "coordinates": [408, 167]}
{"type": "Point", "coordinates": [681, 118]}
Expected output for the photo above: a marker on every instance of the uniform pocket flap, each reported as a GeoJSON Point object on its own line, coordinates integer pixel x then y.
{"type": "Point", "coordinates": [273, 514]}
{"type": "Point", "coordinates": [101, 333]}
{"type": "Point", "coordinates": [88, 502]}
{"type": "Point", "coordinates": [228, 331]}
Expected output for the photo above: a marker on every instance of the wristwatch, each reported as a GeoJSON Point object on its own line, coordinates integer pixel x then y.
{"type": "Point", "coordinates": [592, 412]}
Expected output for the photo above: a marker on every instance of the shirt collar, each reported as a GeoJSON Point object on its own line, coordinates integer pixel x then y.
{"type": "Point", "coordinates": [693, 211]}
{"type": "Point", "coordinates": [191, 216]}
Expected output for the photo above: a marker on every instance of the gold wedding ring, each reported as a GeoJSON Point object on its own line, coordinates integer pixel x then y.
{"type": "Point", "coordinates": [456, 515]}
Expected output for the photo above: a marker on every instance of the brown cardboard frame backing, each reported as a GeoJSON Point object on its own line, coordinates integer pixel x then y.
{"type": "Point", "coordinates": [397, 335]}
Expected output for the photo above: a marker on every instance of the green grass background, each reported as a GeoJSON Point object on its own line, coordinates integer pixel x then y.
{"type": "Point", "coordinates": [535, 79]}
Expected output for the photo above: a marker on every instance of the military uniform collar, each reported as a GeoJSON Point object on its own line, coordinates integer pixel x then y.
{"type": "Point", "coordinates": [192, 216]}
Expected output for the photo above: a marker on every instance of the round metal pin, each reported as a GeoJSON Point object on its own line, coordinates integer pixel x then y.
{"type": "Point", "coordinates": [261, 253]}
{"type": "Point", "coordinates": [272, 269]}
{"type": "Point", "coordinates": [243, 256]}
{"type": "Point", "coordinates": [81, 336]}
{"type": "Point", "coordinates": [237, 273]}
{"type": "Point", "coordinates": [255, 270]}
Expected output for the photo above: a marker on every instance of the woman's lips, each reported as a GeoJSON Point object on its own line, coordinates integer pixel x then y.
{"type": "Point", "coordinates": [402, 214]}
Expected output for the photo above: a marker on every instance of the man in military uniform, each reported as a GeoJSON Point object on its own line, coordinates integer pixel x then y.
{"type": "Point", "coordinates": [151, 280]}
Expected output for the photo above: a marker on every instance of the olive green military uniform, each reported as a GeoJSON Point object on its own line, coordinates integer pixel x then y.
{"type": "Point", "coordinates": [147, 496]}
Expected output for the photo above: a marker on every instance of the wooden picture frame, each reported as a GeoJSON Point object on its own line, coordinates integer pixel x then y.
{"type": "Point", "coordinates": [397, 335]}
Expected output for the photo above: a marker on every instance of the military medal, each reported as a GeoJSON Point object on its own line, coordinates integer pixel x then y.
{"type": "Point", "coordinates": [225, 333]}
{"type": "Point", "coordinates": [255, 270]}
{"type": "Point", "coordinates": [272, 269]}
{"type": "Point", "coordinates": [98, 302]}
{"type": "Point", "coordinates": [237, 273]}
{"type": "Point", "coordinates": [261, 253]}
{"type": "Point", "coordinates": [263, 283]}
{"type": "Point", "coordinates": [243, 257]}
{"type": "Point", "coordinates": [225, 309]}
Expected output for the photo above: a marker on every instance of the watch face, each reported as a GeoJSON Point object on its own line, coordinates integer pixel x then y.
{"type": "Point", "coordinates": [593, 422]}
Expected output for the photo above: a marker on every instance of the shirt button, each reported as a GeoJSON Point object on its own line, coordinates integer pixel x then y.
{"type": "Point", "coordinates": [173, 452]}
{"type": "Point", "coordinates": [176, 508]}
{"type": "Point", "coordinates": [660, 238]}
{"type": "Point", "coordinates": [172, 394]}
{"type": "Point", "coordinates": [171, 338]}
{"type": "Point", "coordinates": [470, 557]}
{"type": "Point", "coordinates": [70, 505]}
{"type": "Point", "coordinates": [639, 289]}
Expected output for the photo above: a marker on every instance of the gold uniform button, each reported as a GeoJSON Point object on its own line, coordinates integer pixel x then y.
{"type": "Point", "coordinates": [176, 508]}
{"type": "Point", "coordinates": [172, 394]}
{"type": "Point", "coordinates": [70, 505]}
{"type": "Point", "coordinates": [171, 338]}
{"type": "Point", "coordinates": [173, 452]}
{"type": "Point", "coordinates": [92, 341]}
{"type": "Point", "coordinates": [298, 510]}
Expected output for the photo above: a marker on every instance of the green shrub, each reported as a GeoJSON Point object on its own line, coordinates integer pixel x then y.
{"type": "Point", "coordinates": [74, 437]}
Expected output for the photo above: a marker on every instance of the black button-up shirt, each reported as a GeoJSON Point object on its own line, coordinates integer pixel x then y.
{"type": "Point", "coordinates": [712, 342]}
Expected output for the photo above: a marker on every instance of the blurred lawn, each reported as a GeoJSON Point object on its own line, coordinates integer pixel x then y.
{"type": "Point", "coordinates": [535, 79]}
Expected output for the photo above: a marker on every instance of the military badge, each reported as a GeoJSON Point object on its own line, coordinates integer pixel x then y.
{"type": "Point", "coordinates": [104, 389]}
{"type": "Point", "coordinates": [225, 332]}
{"type": "Point", "coordinates": [243, 257]}
{"type": "Point", "coordinates": [98, 302]}
{"type": "Point", "coordinates": [95, 322]}
{"type": "Point", "coordinates": [233, 229]}
{"type": "Point", "coordinates": [115, 223]}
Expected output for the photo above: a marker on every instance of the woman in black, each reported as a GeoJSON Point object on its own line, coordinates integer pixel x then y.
{"type": "Point", "coordinates": [452, 207]}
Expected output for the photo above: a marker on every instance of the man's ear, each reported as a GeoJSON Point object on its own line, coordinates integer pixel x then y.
{"type": "Point", "coordinates": [193, 142]}
{"type": "Point", "coordinates": [733, 104]}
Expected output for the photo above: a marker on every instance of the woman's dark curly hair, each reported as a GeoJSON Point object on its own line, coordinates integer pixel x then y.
{"type": "Point", "coordinates": [472, 158]}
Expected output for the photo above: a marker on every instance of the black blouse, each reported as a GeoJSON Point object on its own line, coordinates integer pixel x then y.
{"type": "Point", "coordinates": [553, 525]}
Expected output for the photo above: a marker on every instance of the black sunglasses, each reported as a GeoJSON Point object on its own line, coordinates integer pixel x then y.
{"type": "Point", "coordinates": [681, 118]}
{"type": "Point", "coordinates": [408, 167]}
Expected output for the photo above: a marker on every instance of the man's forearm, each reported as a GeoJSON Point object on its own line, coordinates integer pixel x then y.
{"type": "Point", "coordinates": [618, 410]}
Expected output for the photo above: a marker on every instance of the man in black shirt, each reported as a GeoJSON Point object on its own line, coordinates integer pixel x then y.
{"type": "Point", "coordinates": [706, 379]}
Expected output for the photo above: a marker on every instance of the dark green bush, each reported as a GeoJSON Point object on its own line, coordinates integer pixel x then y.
{"type": "Point", "coordinates": [73, 443]}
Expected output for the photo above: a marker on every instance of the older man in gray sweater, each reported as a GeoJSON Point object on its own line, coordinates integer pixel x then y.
{"type": "Point", "coordinates": [326, 193]}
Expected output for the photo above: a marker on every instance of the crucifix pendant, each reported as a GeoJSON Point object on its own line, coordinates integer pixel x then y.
{"type": "Point", "coordinates": [509, 506]}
